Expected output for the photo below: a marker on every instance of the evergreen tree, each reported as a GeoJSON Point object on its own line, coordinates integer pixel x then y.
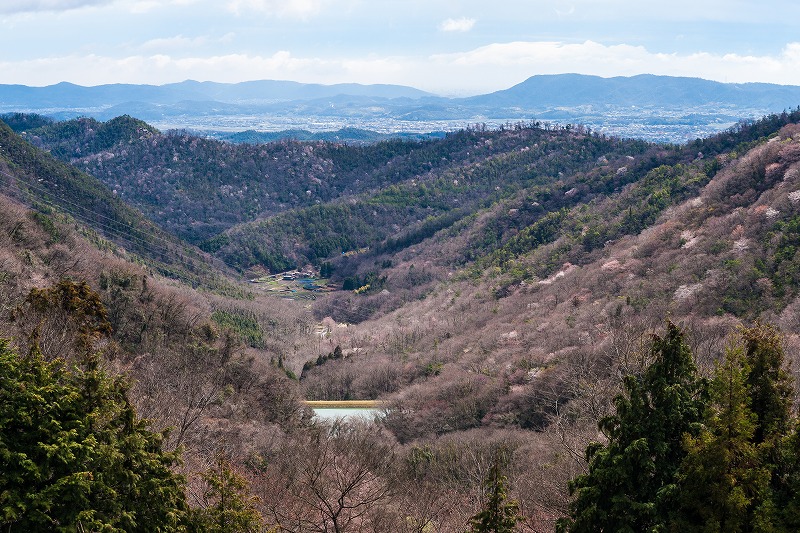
{"type": "Point", "coordinates": [499, 515]}
{"type": "Point", "coordinates": [227, 506]}
{"type": "Point", "coordinates": [325, 270]}
{"type": "Point", "coordinates": [787, 498]}
{"type": "Point", "coordinates": [722, 481]}
{"type": "Point", "coordinates": [337, 352]}
{"type": "Point", "coordinates": [771, 390]}
{"type": "Point", "coordinates": [73, 456]}
{"type": "Point", "coordinates": [768, 382]}
{"type": "Point", "coordinates": [628, 486]}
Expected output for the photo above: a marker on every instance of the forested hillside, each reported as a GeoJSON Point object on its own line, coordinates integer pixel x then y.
{"type": "Point", "coordinates": [508, 291]}
{"type": "Point", "coordinates": [39, 180]}
{"type": "Point", "coordinates": [487, 167]}
{"type": "Point", "coordinates": [75, 451]}
{"type": "Point", "coordinates": [285, 204]}
{"type": "Point", "coordinates": [197, 187]}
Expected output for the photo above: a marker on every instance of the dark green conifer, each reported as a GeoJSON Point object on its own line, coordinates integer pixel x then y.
{"type": "Point", "coordinates": [787, 497]}
{"type": "Point", "coordinates": [228, 508]}
{"type": "Point", "coordinates": [499, 514]}
{"type": "Point", "coordinates": [73, 456]}
{"type": "Point", "coordinates": [628, 485]}
{"type": "Point", "coordinates": [722, 481]}
{"type": "Point", "coordinates": [771, 390]}
{"type": "Point", "coordinates": [768, 382]}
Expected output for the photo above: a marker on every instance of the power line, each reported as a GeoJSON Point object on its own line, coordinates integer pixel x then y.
{"type": "Point", "coordinates": [118, 232]}
{"type": "Point", "coordinates": [125, 233]}
{"type": "Point", "coordinates": [96, 214]}
{"type": "Point", "coordinates": [164, 252]}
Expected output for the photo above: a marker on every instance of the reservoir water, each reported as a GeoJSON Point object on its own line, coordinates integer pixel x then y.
{"type": "Point", "coordinates": [346, 413]}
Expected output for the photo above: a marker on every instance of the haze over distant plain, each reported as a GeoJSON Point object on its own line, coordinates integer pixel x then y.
{"type": "Point", "coordinates": [453, 48]}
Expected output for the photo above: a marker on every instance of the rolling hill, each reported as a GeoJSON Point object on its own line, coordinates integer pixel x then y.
{"type": "Point", "coordinates": [501, 283]}
{"type": "Point", "coordinates": [645, 90]}
{"type": "Point", "coordinates": [70, 96]}
{"type": "Point", "coordinates": [42, 182]}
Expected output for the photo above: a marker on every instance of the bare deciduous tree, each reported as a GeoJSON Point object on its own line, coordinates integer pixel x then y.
{"type": "Point", "coordinates": [330, 480]}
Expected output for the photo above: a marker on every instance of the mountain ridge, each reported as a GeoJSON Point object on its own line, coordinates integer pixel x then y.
{"type": "Point", "coordinates": [100, 96]}
{"type": "Point", "coordinates": [643, 89]}
{"type": "Point", "coordinates": [505, 323]}
{"type": "Point", "coordinates": [661, 108]}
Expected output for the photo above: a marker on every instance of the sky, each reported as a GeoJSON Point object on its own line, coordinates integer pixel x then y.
{"type": "Point", "coordinates": [447, 47]}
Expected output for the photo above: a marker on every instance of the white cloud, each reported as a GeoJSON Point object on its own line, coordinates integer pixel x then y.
{"type": "Point", "coordinates": [172, 43]}
{"type": "Point", "coordinates": [791, 52]}
{"type": "Point", "coordinates": [463, 24]}
{"type": "Point", "coordinates": [162, 68]}
{"type": "Point", "coordinates": [484, 69]}
{"type": "Point", "coordinates": [301, 9]}
{"type": "Point", "coordinates": [57, 6]}
{"type": "Point", "coordinates": [590, 57]}
{"type": "Point", "coordinates": [33, 6]}
{"type": "Point", "coordinates": [565, 12]}
{"type": "Point", "coordinates": [146, 6]}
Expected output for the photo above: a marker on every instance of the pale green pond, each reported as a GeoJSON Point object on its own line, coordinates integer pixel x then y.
{"type": "Point", "coordinates": [348, 413]}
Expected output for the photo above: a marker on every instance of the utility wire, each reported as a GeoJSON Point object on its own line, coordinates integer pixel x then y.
{"type": "Point", "coordinates": [126, 233]}
{"type": "Point", "coordinates": [111, 231]}
{"type": "Point", "coordinates": [96, 214]}
{"type": "Point", "coordinates": [120, 233]}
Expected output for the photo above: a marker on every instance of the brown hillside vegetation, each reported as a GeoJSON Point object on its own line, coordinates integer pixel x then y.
{"type": "Point", "coordinates": [187, 373]}
{"type": "Point", "coordinates": [472, 356]}
{"type": "Point", "coordinates": [709, 261]}
{"type": "Point", "coordinates": [494, 342]}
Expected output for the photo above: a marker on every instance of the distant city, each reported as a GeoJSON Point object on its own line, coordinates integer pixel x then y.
{"type": "Point", "coordinates": [655, 108]}
{"type": "Point", "coordinates": [665, 126]}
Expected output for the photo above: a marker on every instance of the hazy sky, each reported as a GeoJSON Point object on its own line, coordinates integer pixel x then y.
{"type": "Point", "coordinates": [444, 46]}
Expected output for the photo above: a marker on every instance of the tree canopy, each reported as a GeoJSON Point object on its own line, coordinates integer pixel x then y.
{"type": "Point", "coordinates": [74, 456]}
{"type": "Point", "coordinates": [687, 455]}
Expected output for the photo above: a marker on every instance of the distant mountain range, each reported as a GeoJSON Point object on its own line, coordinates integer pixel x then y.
{"type": "Point", "coordinates": [645, 90]}
{"type": "Point", "coordinates": [67, 95]}
{"type": "Point", "coordinates": [654, 107]}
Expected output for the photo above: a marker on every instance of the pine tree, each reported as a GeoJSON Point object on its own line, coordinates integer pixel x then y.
{"type": "Point", "coordinates": [722, 481]}
{"type": "Point", "coordinates": [787, 498]}
{"type": "Point", "coordinates": [73, 456]}
{"type": "Point", "coordinates": [628, 487]}
{"type": "Point", "coordinates": [499, 515]}
{"type": "Point", "coordinates": [768, 382]}
{"type": "Point", "coordinates": [771, 390]}
{"type": "Point", "coordinates": [742, 473]}
{"type": "Point", "coordinates": [228, 508]}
